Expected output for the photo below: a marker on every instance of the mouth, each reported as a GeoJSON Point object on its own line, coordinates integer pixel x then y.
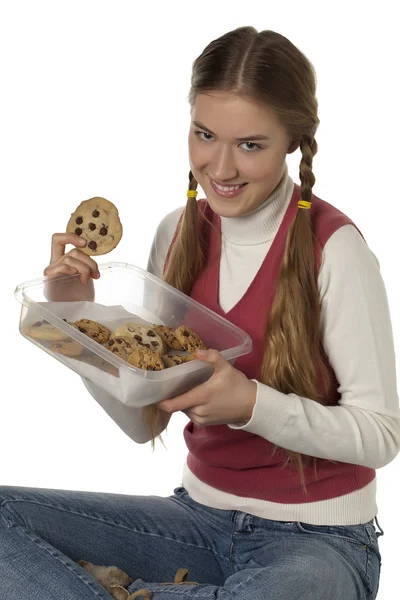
{"type": "Point", "coordinates": [227, 191]}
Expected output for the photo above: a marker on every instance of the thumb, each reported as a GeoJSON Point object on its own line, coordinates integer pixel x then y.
{"type": "Point", "coordinates": [213, 357]}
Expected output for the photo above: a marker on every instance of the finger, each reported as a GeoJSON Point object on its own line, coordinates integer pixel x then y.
{"type": "Point", "coordinates": [193, 416]}
{"type": "Point", "coordinates": [183, 402]}
{"type": "Point", "coordinates": [60, 240]}
{"type": "Point", "coordinates": [214, 358]}
{"type": "Point", "coordinates": [61, 269]}
{"type": "Point", "coordinates": [85, 258]}
{"type": "Point", "coordinates": [81, 267]}
{"type": "Point", "coordinates": [74, 265]}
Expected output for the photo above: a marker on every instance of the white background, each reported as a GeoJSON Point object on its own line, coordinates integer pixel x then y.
{"type": "Point", "coordinates": [94, 102]}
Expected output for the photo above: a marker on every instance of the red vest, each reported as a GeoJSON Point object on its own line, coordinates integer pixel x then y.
{"type": "Point", "coordinates": [236, 461]}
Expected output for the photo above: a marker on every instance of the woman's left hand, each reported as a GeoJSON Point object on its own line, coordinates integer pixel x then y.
{"type": "Point", "coordinates": [227, 397]}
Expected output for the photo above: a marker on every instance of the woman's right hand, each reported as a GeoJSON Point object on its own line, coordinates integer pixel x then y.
{"type": "Point", "coordinates": [74, 261]}
{"type": "Point", "coordinates": [70, 263]}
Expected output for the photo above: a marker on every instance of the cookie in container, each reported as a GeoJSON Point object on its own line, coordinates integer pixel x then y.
{"type": "Point", "coordinates": [127, 294]}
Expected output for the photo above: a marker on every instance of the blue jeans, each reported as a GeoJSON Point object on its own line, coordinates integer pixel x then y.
{"type": "Point", "coordinates": [233, 555]}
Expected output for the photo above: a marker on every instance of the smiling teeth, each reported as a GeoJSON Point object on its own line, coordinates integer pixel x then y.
{"type": "Point", "coordinates": [227, 189]}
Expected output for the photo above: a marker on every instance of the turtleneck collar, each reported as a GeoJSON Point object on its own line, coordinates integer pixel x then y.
{"type": "Point", "coordinates": [262, 224]}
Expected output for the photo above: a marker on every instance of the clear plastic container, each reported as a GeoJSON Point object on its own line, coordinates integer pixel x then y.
{"type": "Point", "coordinates": [125, 293]}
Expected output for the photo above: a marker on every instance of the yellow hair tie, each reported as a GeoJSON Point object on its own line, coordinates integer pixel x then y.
{"type": "Point", "coordinates": [191, 193]}
{"type": "Point", "coordinates": [304, 204]}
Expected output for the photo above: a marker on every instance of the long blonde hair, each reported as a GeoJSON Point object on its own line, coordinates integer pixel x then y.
{"type": "Point", "coordinates": [266, 66]}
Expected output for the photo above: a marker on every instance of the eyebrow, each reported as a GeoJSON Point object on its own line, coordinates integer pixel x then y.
{"type": "Point", "coordinates": [242, 139]}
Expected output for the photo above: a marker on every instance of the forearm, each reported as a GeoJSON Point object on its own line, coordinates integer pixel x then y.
{"type": "Point", "coordinates": [344, 433]}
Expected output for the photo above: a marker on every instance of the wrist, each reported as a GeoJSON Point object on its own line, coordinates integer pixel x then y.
{"type": "Point", "coordinates": [251, 398]}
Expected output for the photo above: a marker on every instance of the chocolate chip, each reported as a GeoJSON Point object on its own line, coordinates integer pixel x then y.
{"type": "Point", "coordinates": [177, 362]}
{"type": "Point", "coordinates": [82, 329]}
{"type": "Point", "coordinates": [92, 226]}
{"type": "Point", "coordinates": [79, 220]}
{"type": "Point", "coordinates": [65, 320]}
{"type": "Point", "coordinates": [154, 344]}
{"type": "Point", "coordinates": [103, 231]}
{"type": "Point", "coordinates": [146, 345]}
{"type": "Point", "coordinates": [111, 343]}
{"type": "Point", "coordinates": [37, 324]}
{"type": "Point", "coordinates": [186, 333]}
{"type": "Point", "coordinates": [151, 333]}
{"type": "Point", "coordinates": [78, 231]}
{"type": "Point", "coordinates": [138, 338]}
{"type": "Point", "coordinates": [95, 214]}
{"type": "Point", "coordinates": [92, 245]}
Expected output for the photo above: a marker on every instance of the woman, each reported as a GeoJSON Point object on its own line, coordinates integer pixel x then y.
{"type": "Point", "coordinates": [278, 496]}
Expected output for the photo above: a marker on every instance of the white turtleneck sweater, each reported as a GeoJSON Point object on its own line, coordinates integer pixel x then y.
{"type": "Point", "coordinates": [357, 337]}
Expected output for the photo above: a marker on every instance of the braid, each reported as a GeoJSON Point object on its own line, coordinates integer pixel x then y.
{"type": "Point", "coordinates": [292, 338]}
{"type": "Point", "coordinates": [309, 149]}
{"type": "Point", "coordinates": [187, 258]}
{"type": "Point", "coordinates": [184, 264]}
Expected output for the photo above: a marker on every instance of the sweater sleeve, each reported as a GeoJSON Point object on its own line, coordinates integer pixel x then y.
{"type": "Point", "coordinates": [162, 241]}
{"type": "Point", "coordinates": [127, 418]}
{"type": "Point", "coordinates": [357, 337]}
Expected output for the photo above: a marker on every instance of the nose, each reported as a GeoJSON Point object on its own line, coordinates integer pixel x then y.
{"type": "Point", "coordinates": [222, 165]}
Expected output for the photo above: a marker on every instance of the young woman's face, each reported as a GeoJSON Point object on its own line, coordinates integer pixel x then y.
{"type": "Point", "coordinates": [225, 148]}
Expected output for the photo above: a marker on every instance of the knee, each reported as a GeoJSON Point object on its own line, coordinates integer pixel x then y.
{"type": "Point", "coordinates": [314, 572]}
{"type": "Point", "coordinates": [326, 575]}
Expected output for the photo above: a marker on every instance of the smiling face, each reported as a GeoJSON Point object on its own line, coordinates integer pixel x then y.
{"type": "Point", "coordinates": [235, 140]}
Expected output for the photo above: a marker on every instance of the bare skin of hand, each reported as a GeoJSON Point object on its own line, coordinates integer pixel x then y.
{"type": "Point", "coordinates": [227, 397]}
{"type": "Point", "coordinates": [70, 263]}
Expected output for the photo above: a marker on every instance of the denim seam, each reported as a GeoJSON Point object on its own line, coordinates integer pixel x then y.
{"type": "Point", "coordinates": [185, 592]}
{"type": "Point", "coordinates": [334, 535]}
{"type": "Point", "coordinates": [113, 523]}
{"type": "Point", "coordinates": [368, 573]}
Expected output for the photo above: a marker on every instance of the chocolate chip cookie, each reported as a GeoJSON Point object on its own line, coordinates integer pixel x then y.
{"type": "Point", "coordinates": [143, 358]}
{"type": "Point", "coordinates": [97, 361]}
{"type": "Point", "coordinates": [120, 346]}
{"type": "Point", "coordinates": [168, 336]}
{"type": "Point", "coordinates": [172, 360]}
{"type": "Point", "coordinates": [96, 331]}
{"type": "Point", "coordinates": [97, 221]}
{"type": "Point", "coordinates": [144, 335]}
{"type": "Point", "coordinates": [42, 330]}
{"type": "Point", "coordinates": [67, 347]}
{"type": "Point", "coordinates": [189, 339]}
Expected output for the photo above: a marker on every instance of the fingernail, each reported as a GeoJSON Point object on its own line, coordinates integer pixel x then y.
{"type": "Point", "coordinates": [82, 242]}
{"type": "Point", "coordinates": [73, 270]}
{"type": "Point", "coordinates": [97, 275]}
